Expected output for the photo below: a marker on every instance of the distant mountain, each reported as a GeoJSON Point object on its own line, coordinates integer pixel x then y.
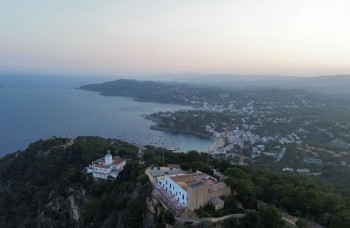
{"type": "Point", "coordinates": [336, 84]}
{"type": "Point", "coordinates": [170, 85]}
{"type": "Point", "coordinates": [332, 84]}
{"type": "Point", "coordinates": [142, 90]}
{"type": "Point", "coordinates": [194, 95]}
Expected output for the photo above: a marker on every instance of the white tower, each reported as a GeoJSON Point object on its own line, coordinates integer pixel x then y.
{"type": "Point", "coordinates": [108, 158]}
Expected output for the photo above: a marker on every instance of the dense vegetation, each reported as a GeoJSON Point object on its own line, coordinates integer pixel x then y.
{"type": "Point", "coordinates": [301, 196]}
{"type": "Point", "coordinates": [38, 185]}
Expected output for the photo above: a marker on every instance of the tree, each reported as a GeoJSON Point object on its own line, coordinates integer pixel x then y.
{"type": "Point", "coordinates": [246, 191]}
{"type": "Point", "coordinates": [208, 170]}
{"type": "Point", "coordinates": [272, 218]}
{"type": "Point", "coordinates": [232, 182]}
{"type": "Point", "coordinates": [253, 219]}
{"type": "Point", "coordinates": [301, 223]}
{"type": "Point", "coordinates": [193, 156]}
{"type": "Point", "coordinates": [224, 165]}
{"type": "Point", "coordinates": [237, 173]}
{"type": "Point", "coordinates": [185, 166]}
{"type": "Point", "coordinates": [168, 217]}
{"type": "Point", "coordinates": [341, 219]}
{"type": "Point", "coordinates": [236, 147]}
{"type": "Point", "coordinates": [134, 213]}
{"type": "Point", "coordinates": [198, 165]}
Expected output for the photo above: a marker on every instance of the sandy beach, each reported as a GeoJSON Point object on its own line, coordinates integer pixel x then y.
{"type": "Point", "coordinates": [217, 144]}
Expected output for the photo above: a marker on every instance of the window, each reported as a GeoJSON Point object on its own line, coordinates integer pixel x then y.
{"type": "Point", "coordinates": [183, 197]}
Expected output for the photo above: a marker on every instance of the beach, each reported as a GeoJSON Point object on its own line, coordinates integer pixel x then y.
{"type": "Point", "coordinates": [218, 142]}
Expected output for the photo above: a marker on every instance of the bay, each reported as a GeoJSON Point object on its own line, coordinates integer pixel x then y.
{"type": "Point", "coordinates": [39, 108]}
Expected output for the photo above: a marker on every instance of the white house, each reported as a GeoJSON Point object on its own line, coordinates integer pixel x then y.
{"type": "Point", "coordinates": [106, 167]}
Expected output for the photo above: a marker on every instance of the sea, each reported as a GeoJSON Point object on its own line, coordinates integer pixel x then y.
{"type": "Point", "coordinates": [40, 107]}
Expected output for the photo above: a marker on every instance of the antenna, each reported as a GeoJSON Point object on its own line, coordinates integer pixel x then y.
{"type": "Point", "coordinates": [242, 152]}
{"type": "Point", "coordinates": [163, 154]}
{"type": "Point", "coordinates": [208, 158]}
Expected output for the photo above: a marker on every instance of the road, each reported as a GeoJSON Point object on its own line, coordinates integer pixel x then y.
{"type": "Point", "coordinates": [280, 155]}
{"type": "Point", "coordinates": [199, 220]}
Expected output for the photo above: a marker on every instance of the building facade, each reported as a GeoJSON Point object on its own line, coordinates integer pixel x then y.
{"type": "Point", "coordinates": [189, 190]}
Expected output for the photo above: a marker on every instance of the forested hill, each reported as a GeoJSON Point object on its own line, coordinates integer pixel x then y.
{"type": "Point", "coordinates": [194, 95]}
{"type": "Point", "coordinates": [142, 90]}
{"type": "Point", "coordinates": [45, 186]}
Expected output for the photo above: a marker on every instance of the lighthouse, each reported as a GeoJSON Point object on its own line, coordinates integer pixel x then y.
{"type": "Point", "coordinates": [106, 167]}
{"type": "Point", "coordinates": [108, 158]}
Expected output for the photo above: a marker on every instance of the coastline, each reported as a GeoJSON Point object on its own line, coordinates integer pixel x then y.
{"type": "Point", "coordinates": [158, 128]}
{"type": "Point", "coordinates": [218, 142]}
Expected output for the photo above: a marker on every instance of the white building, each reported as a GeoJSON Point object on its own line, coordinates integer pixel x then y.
{"type": "Point", "coordinates": [106, 167]}
{"type": "Point", "coordinates": [189, 190]}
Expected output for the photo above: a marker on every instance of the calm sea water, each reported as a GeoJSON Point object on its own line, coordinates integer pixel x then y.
{"type": "Point", "coordinates": [32, 108]}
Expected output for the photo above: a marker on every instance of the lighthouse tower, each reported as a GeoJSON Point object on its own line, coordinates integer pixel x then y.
{"type": "Point", "coordinates": [108, 158]}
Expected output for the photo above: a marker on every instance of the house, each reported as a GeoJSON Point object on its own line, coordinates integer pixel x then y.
{"type": "Point", "coordinates": [303, 170]}
{"type": "Point", "coordinates": [287, 169]}
{"type": "Point", "coordinates": [107, 167]}
{"type": "Point", "coordinates": [193, 191]}
{"type": "Point", "coordinates": [217, 203]}
{"type": "Point", "coordinates": [309, 160]}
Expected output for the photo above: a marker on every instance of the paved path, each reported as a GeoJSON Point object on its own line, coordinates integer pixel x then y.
{"type": "Point", "coordinates": [289, 218]}
{"type": "Point", "coordinates": [199, 220]}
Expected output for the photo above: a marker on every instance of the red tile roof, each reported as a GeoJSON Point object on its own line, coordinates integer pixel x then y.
{"type": "Point", "coordinates": [102, 166]}
{"type": "Point", "coordinates": [117, 160]}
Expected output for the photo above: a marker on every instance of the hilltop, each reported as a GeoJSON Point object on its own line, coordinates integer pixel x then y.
{"type": "Point", "coordinates": [45, 185]}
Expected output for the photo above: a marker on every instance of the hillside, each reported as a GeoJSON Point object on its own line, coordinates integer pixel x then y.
{"type": "Point", "coordinates": [45, 186]}
{"type": "Point", "coordinates": [197, 94]}
{"type": "Point", "coordinates": [140, 90]}
{"type": "Point", "coordinates": [329, 84]}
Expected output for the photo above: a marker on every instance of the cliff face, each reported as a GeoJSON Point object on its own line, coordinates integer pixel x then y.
{"type": "Point", "coordinates": [68, 208]}
{"type": "Point", "coordinates": [46, 186]}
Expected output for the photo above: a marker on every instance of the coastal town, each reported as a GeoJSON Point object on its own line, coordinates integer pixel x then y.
{"type": "Point", "coordinates": [250, 129]}
{"type": "Point", "coordinates": [247, 130]}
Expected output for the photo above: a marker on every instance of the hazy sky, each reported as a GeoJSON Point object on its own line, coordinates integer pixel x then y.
{"type": "Point", "coordinates": [293, 37]}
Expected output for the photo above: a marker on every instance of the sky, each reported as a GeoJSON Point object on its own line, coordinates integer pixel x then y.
{"type": "Point", "coordinates": [279, 37]}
